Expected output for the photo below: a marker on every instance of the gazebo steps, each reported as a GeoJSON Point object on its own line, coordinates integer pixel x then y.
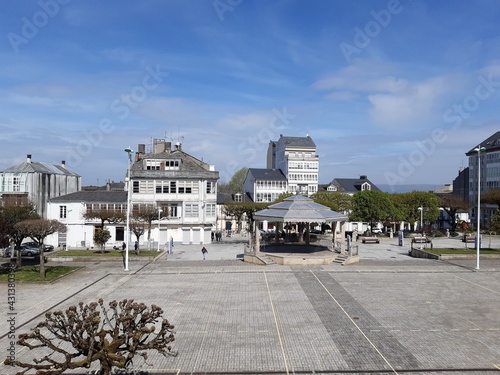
{"type": "Point", "coordinates": [340, 259]}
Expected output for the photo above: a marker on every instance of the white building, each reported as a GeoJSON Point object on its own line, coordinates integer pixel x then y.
{"type": "Point", "coordinates": [69, 210]}
{"type": "Point", "coordinates": [296, 157]}
{"type": "Point", "coordinates": [182, 187]}
{"type": "Point", "coordinates": [37, 182]}
{"type": "Point", "coordinates": [264, 185]}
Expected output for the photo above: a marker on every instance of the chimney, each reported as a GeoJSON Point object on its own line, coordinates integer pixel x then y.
{"type": "Point", "coordinates": [28, 158]}
{"type": "Point", "coordinates": [159, 146]}
{"type": "Point", "coordinates": [63, 163]}
{"type": "Point", "coordinates": [363, 177]}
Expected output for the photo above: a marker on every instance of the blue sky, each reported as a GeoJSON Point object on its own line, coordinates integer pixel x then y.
{"type": "Point", "coordinates": [396, 90]}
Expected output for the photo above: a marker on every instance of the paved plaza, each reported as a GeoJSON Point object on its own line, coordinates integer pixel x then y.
{"type": "Point", "coordinates": [388, 314]}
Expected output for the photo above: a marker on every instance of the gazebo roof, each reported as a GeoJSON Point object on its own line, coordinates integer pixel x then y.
{"type": "Point", "coordinates": [298, 209]}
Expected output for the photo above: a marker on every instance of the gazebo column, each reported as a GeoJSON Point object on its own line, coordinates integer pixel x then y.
{"type": "Point", "coordinates": [343, 248]}
{"type": "Point", "coordinates": [257, 237]}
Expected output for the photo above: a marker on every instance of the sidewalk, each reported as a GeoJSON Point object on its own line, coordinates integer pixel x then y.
{"type": "Point", "coordinates": [388, 311]}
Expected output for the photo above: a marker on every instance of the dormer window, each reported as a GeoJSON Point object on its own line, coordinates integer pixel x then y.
{"type": "Point", "coordinates": [366, 186]}
{"type": "Point", "coordinates": [331, 188]}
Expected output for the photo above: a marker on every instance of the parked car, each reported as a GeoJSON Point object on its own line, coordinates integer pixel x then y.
{"type": "Point", "coordinates": [26, 251]}
{"type": "Point", "coordinates": [35, 244]}
{"type": "Point", "coordinates": [376, 230]}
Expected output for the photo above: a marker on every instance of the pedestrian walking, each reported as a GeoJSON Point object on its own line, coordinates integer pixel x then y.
{"type": "Point", "coordinates": [204, 251]}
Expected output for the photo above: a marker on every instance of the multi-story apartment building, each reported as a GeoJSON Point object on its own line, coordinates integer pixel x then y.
{"type": "Point", "coordinates": [265, 185]}
{"type": "Point", "coordinates": [296, 157]}
{"type": "Point", "coordinates": [489, 165]}
{"type": "Point", "coordinates": [182, 187]}
{"type": "Point", "coordinates": [37, 182]}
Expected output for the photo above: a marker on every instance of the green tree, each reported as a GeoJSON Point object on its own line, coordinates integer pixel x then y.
{"type": "Point", "coordinates": [101, 237]}
{"type": "Point", "coordinates": [235, 185]}
{"type": "Point", "coordinates": [372, 207]}
{"type": "Point", "coordinates": [112, 336]}
{"type": "Point", "coordinates": [336, 201]}
{"type": "Point", "coordinates": [409, 203]}
{"type": "Point", "coordinates": [451, 204]}
{"type": "Point", "coordinates": [39, 229]}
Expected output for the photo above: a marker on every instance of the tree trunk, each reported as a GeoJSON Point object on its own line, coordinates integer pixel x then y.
{"type": "Point", "coordinates": [42, 264]}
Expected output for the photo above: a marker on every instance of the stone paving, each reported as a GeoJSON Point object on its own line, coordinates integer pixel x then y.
{"type": "Point", "coordinates": [388, 314]}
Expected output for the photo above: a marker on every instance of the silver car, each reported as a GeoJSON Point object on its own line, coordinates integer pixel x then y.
{"type": "Point", "coordinates": [26, 251]}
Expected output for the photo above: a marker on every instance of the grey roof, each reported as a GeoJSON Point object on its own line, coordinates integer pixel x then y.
{"type": "Point", "coordinates": [267, 174]}
{"type": "Point", "coordinates": [491, 143]}
{"type": "Point", "coordinates": [99, 196]}
{"type": "Point", "coordinates": [39, 167]}
{"type": "Point", "coordinates": [298, 141]}
{"type": "Point", "coordinates": [298, 209]}
{"type": "Point", "coordinates": [349, 185]}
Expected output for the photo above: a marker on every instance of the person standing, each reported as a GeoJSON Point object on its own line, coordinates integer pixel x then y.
{"type": "Point", "coordinates": [204, 251]}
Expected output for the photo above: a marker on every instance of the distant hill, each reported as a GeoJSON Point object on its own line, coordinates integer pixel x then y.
{"type": "Point", "coordinates": [407, 188]}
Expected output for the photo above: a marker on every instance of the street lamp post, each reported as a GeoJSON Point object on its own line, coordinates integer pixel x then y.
{"type": "Point", "coordinates": [421, 209]}
{"type": "Point", "coordinates": [478, 238]}
{"type": "Point", "coordinates": [129, 151]}
{"type": "Point", "coordinates": [159, 212]}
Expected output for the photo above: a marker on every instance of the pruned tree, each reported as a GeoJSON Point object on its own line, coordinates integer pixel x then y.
{"type": "Point", "coordinates": [146, 214]}
{"type": "Point", "coordinates": [138, 227]}
{"type": "Point", "coordinates": [491, 197]}
{"type": "Point", "coordinates": [105, 216]}
{"type": "Point", "coordinates": [90, 333]}
{"type": "Point", "coordinates": [10, 215]}
{"type": "Point", "coordinates": [39, 229]}
{"type": "Point", "coordinates": [101, 237]}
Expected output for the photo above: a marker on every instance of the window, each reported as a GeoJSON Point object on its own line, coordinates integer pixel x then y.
{"type": "Point", "coordinates": [120, 234]}
{"type": "Point", "coordinates": [210, 209]}
{"type": "Point", "coordinates": [210, 187]}
{"type": "Point", "coordinates": [238, 197]}
{"type": "Point", "coordinates": [135, 188]}
{"type": "Point", "coordinates": [153, 165]}
{"type": "Point", "coordinates": [62, 212]}
{"type": "Point", "coordinates": [191, 210]}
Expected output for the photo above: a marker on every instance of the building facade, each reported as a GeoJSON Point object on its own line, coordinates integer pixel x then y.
{"type": "Point", "coordinates": [181, 187]}
{"type": "Point", "coordinates": [264, 185]}
{"type": "Point", "coordinates": [69, 210]}
{"type": "Point", "coordinates": [296, 157]}
{"type": "Point", "coordinates": [489, 165]}
{"type": "Point", "coordinates": [37, 182]}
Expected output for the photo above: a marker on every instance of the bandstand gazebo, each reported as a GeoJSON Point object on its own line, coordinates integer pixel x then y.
{"type": "Point", "coordinates": [299, 210]}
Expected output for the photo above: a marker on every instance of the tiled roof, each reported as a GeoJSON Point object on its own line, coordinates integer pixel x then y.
{"type": "Point", "coordinates": [39, 167]}
{"type": "Point", "coordinates": [100, 196]}
{"type": "Point", "coordinates": [349, 185]}
{"type": "Point", "coordinates": [491, 143]}
{"type": "Point", "coordinates": [298, 141]}
{"type": "Point", "coordinates": [298, 209]}
{"type": "Point", "coordinates": [263, 174]}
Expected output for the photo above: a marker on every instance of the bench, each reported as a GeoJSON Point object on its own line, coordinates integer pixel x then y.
{"type": "Point", "coordinates": [420, 240]}
{"type": "Point", "coordinates": [370, 240]}
{"type": "Point", "coordinates": [469, 239]}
